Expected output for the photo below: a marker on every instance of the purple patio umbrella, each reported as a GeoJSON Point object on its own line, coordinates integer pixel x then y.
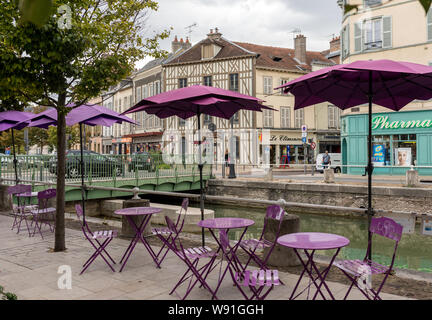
{"type": "Point", "coordinates": [391, 84]}
{"type": "Point", "coordinates": [194, 101]}
{"type": "Point", "coordinates": [87, 114]}
{"type": "Point", "coordinates": [14, 120]}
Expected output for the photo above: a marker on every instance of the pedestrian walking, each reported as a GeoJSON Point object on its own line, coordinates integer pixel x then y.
{"type": "Point", "coordinates": [326, 160]}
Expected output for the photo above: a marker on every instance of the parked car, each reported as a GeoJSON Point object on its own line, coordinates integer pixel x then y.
{"type": "Point", "coordinates": [141, 161]}
{"type": "Point", "coordinates": [99, 165]}
{"type": "Point", "coordinates": [335, 162]}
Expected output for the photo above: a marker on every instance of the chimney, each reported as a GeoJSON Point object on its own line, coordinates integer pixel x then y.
{"type": "Point", "coordinates": [214, 35]}
{"type": "Point", "coordinates": [300, 48]}
{"type": "Point", "coordinates": [335, 45]}
{"type": "Point", "coordinates": [176, 44]}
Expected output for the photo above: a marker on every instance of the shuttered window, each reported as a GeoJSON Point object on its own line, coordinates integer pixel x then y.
{"type": "Point", "coordinates": [387, 32]}
{"type": "Point", "coordinates": [298, 118]}
{"type": "Point", "coordinates": [268, 85]}
{"type": "Point", "coordinates": [333, 117]}
{"type": "Point", "coordinates": [429, 25]}
{"type": "Point", "coordinates": [358, 37]}
{"type": "Point", "coordinates": [285, 113]}
{"type": "Point", "coordinates": [345, 47]}
{"type": "Point", "coordinates": [268, 118]}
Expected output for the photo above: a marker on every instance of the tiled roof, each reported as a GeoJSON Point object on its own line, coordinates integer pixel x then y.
{"type": "Point", "coordinates": [228, 49]}
{"type": "Point", "coordinates": [268, 57]}
{"type": "Point", "coordinates": [283, 58]}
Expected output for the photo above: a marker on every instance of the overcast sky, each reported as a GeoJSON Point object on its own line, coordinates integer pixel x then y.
{"type": "Point", "coordinates": [254, 21]}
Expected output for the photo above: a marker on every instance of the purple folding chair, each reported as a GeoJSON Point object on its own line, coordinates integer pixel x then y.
{"type": "Point", "coordinates": [167, 232]}
{"type": "Point", "coordinates": [191, 257]}
{"type": "Point", "coordinates": [20, 211]}
{"type": "Point", "coordinates": [43, 214]}
{"type": "Point", "coordinates": [93, 237]}
{"type": "Point", "coordinates": [253, 246]}
{"type": "Point", "coordinates": [256, 280]}
{"type": "Point", "coordinates": [364, 269]}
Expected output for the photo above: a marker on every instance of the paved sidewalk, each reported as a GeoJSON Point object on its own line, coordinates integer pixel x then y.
{"type": "Point", "coordinates": [30, 269]}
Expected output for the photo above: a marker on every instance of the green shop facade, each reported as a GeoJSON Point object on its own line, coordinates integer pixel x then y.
{"type": "Point", "coordinates": [400, 140]}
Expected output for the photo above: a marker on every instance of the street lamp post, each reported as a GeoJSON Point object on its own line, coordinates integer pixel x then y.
{"type": "Point", "coordinates": [232, 174]}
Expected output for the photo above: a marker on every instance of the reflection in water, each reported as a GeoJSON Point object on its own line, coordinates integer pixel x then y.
{"type": "Point", "coordinates": [414, 251]}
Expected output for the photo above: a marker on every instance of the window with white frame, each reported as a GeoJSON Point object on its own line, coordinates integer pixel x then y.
{"type": "Point", "coordinates": [182, 83]}
{"type": "Point", "coordinates": [268, 85]}
{"type": "Point", "coordinates": [333, 117]}
{"type": "Point", "coordinates": [145, 92]}
{"type": "Point", "coordinates": [298, 118]}
{"type": "Point", "coordinates": [373, 34]}
{"type": "Point", "coordinates": [282, 82]}
{"type": "Point", "coordinates": [370, 3]}
{"type": "Point", "coordinates": [234, 82]}
{"type": "Point", "coordinates": [157, 87]}
{"type": "Point", "coordinates": [138, 94]}
{"type": "Point", "coordinates": [268, 118]}
{"type": "Point", "coordinates": [285, 114]}
{"type": "Point", "coordinates": [208, 81]}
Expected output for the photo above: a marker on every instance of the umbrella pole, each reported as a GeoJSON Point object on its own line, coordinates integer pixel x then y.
{"type": "Point", "coordinates": [370, 167]}
{"type": "Point", "coordinates": [200, 167]}
{"type": "Point", "coordinates": [14, 159]}
{"type": "Point", "coordinates": [82, 173]}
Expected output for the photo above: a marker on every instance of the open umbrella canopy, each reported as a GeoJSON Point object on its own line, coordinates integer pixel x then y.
{"type": "Point", "coordinates": [394, 84]}
{"type": "Point", "coordinates": [86, 114]}
{"type": "Point", "coordinates": [14, 119]}
{"type": "Point", "coordinates": [94, 115]}
{"type": "Point", "coordinates": [190, 101]}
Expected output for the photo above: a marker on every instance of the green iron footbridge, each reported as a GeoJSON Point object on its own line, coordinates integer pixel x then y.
{"type": "Point", "coordinates": [147, 172]}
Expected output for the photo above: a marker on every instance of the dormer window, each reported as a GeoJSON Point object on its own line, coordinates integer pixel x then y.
{"type": "Point", "coordinates": [209, 51]}
{"type": "Point", "coordinates": [276, 59]}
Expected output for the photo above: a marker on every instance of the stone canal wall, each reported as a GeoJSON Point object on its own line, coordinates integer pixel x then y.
{"type": "Point", "coordinates": [418, 200]}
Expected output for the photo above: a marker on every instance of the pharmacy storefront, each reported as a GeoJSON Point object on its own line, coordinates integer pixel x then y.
{"type": "Point", "coordinates": [400, 140]}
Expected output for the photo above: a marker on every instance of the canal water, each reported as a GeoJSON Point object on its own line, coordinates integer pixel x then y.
{"type": "Point", "coordinates": [414, 251]}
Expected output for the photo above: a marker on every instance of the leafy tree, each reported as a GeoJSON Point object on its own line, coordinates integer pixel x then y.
{"type": "Point", "coordinates": [83, 48]}
{"type": "Point", "coordinates": [6, 141]}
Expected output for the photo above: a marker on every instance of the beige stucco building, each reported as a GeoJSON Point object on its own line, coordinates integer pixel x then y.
{"type": "Point", "coordinates": [398, 30]}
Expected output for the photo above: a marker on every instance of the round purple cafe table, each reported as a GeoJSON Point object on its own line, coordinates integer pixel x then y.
{"type": "Point", "coordinates": [309, 242]}
{"type": "Point", "coordinates": [226, 224]}
{"type": "Point", "coordinates": [129, 213]}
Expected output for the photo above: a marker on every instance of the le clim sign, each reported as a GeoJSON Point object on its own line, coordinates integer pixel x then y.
{"type": "Point", "coordinates": [383, 122]}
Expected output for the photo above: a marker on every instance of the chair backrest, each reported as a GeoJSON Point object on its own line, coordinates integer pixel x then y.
{"type": "Point", "coordinates": [275, 212]}
{"type": "Point", "coordinates": [185, 204]}
{"type": "Point", "coordinates": [182, 215]}
{"type": "Point", "coordinates": [386, 227]}
{"type": "Point", "coordinates": [19, 188]}
{"type": "Point", "coordinates": [171, 225]}
{"type": "Point", "coordinates": [44, 196]}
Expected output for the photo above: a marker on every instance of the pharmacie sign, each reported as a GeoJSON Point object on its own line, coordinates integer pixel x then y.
{"type": "Point", "coordinates": [383, 122]}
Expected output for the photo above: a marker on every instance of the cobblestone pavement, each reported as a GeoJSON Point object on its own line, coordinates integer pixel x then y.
{"type": "Point", "coordinates": [30, 269]}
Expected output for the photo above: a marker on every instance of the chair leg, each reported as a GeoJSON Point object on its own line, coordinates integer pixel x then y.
{"type": "Point", "coordinates": [96, 254]}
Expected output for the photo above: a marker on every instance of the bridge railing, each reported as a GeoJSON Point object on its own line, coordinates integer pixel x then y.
{"type": "Point", "coordinates": [102, 167]}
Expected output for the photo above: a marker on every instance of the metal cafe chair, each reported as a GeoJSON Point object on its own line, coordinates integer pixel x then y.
{"type": "Point", "coordinates": [167, 232]}
{"type": "Point", "coordinates": [254, 246]}
{"type": "Point", "coordinates": [94, 238]}
{"type": "Point", "coordinates": [256, 280]}
{"type": "Point", "coordinates": [20, 210]}
{"type": "Point", "coordinates": [43, 214]}
{"type": "Point", "coordinates": [362, 270]}
{"type": "Point", "coordinates": [191, 257]}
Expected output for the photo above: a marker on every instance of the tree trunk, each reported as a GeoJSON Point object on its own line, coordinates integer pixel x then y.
{"type": "Point", "coordinates": [60, 243]}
